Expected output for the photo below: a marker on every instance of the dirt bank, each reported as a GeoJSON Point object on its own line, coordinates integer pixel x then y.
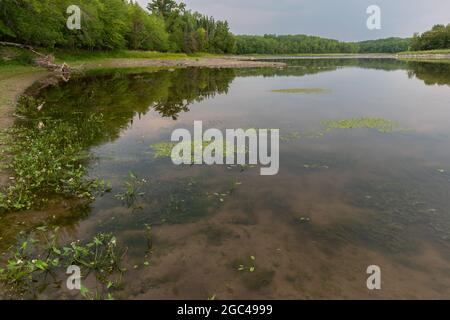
{"type": "Point", "coordinates": [13, 82]}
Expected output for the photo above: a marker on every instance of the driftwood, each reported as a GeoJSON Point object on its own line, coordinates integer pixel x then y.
{"type": "Point", "coordinates": [44, 61]}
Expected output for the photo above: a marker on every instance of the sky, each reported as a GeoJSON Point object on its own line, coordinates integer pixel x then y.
{"type": "Point", "coordinates": [344, 20]}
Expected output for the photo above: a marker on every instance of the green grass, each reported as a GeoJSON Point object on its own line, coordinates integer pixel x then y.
{"type": "Point", "coordinates": [93, 56]}
{"type": "Point", "coordinates": [14, 70]}
{"type": "Point", "coordinates": [69, 56]}
{"type": "Point", "coordinates": [439, 51]}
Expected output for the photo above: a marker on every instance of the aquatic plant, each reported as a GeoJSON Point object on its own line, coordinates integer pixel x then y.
{"type": "Point", "coordinates": [131, 190]}
{"type": "Point", "coordinates": [44, 161]}
{"type": "Point", "coordinates": [39, 256]}
{"type": "Point", "coordinates": [164, 149]}
{"type": "Point", "coordinates": [250, 267]}
{"type": "Point", "coordinates": [382, 125]}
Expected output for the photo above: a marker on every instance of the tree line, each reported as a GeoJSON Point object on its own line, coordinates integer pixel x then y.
{"type": "Point", "coordinates": [114, 24]}
{"type": "Point", "coordinates": [436, 38]}
{"type": "Point", "coordinates": [290, 44]}
{"type": "Point", "coordinates": [303, 44]}
{"type": "Point", "coordinates": [169, 26]}
{"type": "Point", "coordinates": [389, 45]}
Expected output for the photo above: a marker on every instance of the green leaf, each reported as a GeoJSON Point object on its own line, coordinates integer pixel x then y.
{"type": "Point", "coordinates": [41, 265]}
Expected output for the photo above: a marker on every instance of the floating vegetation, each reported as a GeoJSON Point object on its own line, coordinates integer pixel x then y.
{"type": "Point", "coordinates": [315, 166]}
{"type": "Point", "coordinates": [39, 260]}
{"type": "Point", "coordinates": [382, 125]}
{"type": "Point", "coordinates": [164, 149]}
{"type": "Point", "coordinates": [47, 161]}
{"type": "Point", "coordinates": [302, 90]}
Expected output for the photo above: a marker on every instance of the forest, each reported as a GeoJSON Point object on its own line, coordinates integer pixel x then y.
{"type": "Point", "coordinates": [291, 44]}
{"type": "Point", "coordinates": [114, 24]}
{"type": "Point", "coordinates": [169, 26]}
{"type": "Point", "coordinates": [436, 38]}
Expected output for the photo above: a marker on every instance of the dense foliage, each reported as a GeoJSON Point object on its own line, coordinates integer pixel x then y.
{"type": "Point", "coordinates": [437, 38]}
{"type": "Point", "coordinates": [113, 24]}
{"type": "Point", "coordinates": [389, 45]}
{"type": "Point", "coordinates": [303, 44]}
{"type": "Point", "coordinates": [291, 44]}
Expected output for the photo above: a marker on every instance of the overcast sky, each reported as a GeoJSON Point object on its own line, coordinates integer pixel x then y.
{"type": "Point", "coordinates": [338, 19]}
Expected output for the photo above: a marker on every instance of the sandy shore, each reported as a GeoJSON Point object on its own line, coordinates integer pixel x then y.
{"type": "Point", "coordinates": [231, 62]}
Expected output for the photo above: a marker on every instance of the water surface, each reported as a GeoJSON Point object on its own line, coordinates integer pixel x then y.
{"type": "Point", "coordinates": [344, 199]}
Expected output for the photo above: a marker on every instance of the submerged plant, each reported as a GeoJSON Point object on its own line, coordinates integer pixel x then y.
{"type": "Point", "coordinates": [250, 267]}
{"type": "Point", "coordinates": [132, 190]}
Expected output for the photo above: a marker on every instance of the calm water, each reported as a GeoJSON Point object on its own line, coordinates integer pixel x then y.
{"type": "Point", "coordinates": [341, 202]}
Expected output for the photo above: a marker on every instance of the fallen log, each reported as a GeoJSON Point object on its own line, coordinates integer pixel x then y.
{"type": "Point", "coordinates": [44, 61]}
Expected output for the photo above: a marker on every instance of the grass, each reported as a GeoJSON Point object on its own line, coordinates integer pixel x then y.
{"type": "Point", "coordinates": [83, 57]}
{"type": "Point", "coordinates": [76, 56]}
{"type": "Point", "coordinates": [438, 51]}
{"type": "Point", "coordinates": [302, 90]}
